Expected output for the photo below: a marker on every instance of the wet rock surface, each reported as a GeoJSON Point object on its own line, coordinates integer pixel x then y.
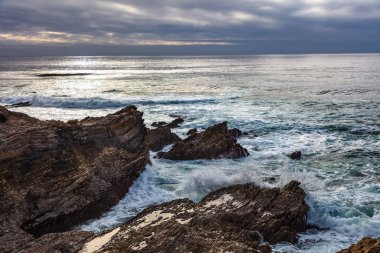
{"type": "Point", "coordinates": [192, 131]}
{"type": "Point", "coordinates": [160, 137]}
{"type": "Point", "coordinates": [22, 104]}
{"type": "Point", "coordinates": [365, 245]}
{"type": "Point", "coordinates": [54, 175]}
{"type": "Point", "coordinates": [215, 142]}
{"type": "Point", "coordinates": [233, 219]}
{"type": "Point", "coordinates": [296, 155]}
{"type": "Point", "coordinates": [173, 124]}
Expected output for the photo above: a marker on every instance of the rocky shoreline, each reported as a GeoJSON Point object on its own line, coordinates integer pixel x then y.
{"type": "Point", "coordinates": [56, 175]}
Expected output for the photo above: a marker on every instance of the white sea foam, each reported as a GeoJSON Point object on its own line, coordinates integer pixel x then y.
{"type": "Point", "coordinates": [96, 102]}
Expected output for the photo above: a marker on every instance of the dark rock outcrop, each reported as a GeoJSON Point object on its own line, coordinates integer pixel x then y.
{"type": "Point", "coordinates": [160, 137]}
{"type": "Point", "coordinates": [365, 245]}
{"type": "Point", "coordinates": [233, 219]}
{"type": "Point", "coordinates": [4, 114]}
{"type": "Point", "coordinates": [192, 131]}
{"type": "Point", "coordinates": [235, 132]}
{"type": "Point", "coordinates": [214, 142]}
{"type": "Point", "coordinates": [54, 175]}
{"type": "Point", "coordinates": [159, 123]}
{"type": "Point", "coordinates": [22, 104]}
{"type": "Point", "coordinates": [296, 155]}
{"type": "Point", "coordinates": [175, 123]}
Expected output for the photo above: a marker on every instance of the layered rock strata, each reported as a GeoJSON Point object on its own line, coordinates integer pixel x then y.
{"type": "Point", "coordinates": [54, 175]}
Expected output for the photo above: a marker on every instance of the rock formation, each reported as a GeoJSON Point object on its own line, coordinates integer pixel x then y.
{"type": "Point", "coordinates": [54, 175]}
{"type": "Point", "coordinates": [192, 131]}
{"type": "Point", "coordinates": [233, 219]}
{"type": "Point", "coordinates": [214, 142]}
{"type": "Point", "coordinates": [160, 137]}
{"type": "Point", "coordinates": [365, 245]}
{"type": "Point", "coordinates": [175, 123]}
{"type": "Point", "coordinates": [296, 155]}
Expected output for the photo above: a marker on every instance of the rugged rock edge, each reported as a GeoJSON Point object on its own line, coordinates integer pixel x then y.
{"type": "Point", "coordinates": [233, 219]}
{"type": "Point", "coordinates": [54, 175]}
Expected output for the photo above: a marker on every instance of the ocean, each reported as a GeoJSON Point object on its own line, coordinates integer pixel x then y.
{"type": "Point", "coordinates": [327, 106]}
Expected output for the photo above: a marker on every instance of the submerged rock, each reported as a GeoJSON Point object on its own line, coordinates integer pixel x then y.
{"type": "Point", "coordinates": [22, 104]}
{"type": "Point", "coordinates": [233, 219]}
{"type": "Point", "coordinates": [54, 175]}
{"type": "Point", "coordinates": [160, 137]}
{"type": "Point", "coordinates": [296, 155]}
{"type": "Point", "coordinates": [365, 245]}
{"type": "Point", "coordinates": [214, 142]}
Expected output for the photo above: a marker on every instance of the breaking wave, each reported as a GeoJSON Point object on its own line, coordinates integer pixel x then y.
{"type": "Point", "coordinates": [96, 102]}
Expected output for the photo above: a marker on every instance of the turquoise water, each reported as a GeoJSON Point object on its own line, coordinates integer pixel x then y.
{"type": "Point", "coordinates": [327, 106]}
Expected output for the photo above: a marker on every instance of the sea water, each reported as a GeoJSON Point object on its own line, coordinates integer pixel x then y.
{"type": "Point", "coordinates": [327, 106]}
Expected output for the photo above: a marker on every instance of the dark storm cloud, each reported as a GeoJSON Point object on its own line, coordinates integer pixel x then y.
{"type": "Point", "coordinates": [238, 26]}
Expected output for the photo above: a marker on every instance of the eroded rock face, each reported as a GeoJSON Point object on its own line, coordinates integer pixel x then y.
{"type": "Point", "coordinates": [234, 219]}
{"type": "Point", "coordinates": [214, 142]}
{"type": "Point", "coordinates": [54, 175]}
{"type": "Point", "coordinates": [160, 137]}
{"type": "Point", "coordinates": [365, 245]}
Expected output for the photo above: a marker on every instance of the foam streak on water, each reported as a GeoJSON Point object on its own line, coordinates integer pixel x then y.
{"type": "Point", "coordinates": [327, 106]}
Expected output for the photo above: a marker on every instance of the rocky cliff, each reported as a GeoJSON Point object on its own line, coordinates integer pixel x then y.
{"type": "Point", "coordinates": [54, 175]}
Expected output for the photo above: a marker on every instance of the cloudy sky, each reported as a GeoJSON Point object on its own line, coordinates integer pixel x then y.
{"type": "Point", "coordinates": [112, 27]}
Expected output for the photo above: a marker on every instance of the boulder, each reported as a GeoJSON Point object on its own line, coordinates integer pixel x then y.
{"type": "Point", "coordinates": [175, 123]}
{"type": "Point", "coordinates": [215, 142]}
{"type": "Point", "coordinates": [233, 219]}
{"type": "Point", "coordinates": [235, 132]}
{"type": "Point", "coordinates": [55, 175]}
{"type": "Point", "coordinates": [160, 137]}
{"type": "Point", "coordinates": [365, 245]}
{"type": "Point", "coordinates": [296, 155]}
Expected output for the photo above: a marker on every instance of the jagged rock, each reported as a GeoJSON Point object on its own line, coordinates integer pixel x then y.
{"type": "Point", "coordinates": [235, 132]}
{"type": "Point", "coordinates": [55, 175]}
{"type": "Point", "coordinates": [192, 131]}
{"type": "Point", "coordinates": [233, 219]}
{"type": "Point", "coordinates": [175, 123]}
{"type": "Point", "coordinates": [295, 155]}
{"type": "Point", "coordinates": [365, 245]}
{"type": "Point", "coordinates": [160, 137]}
{"type": "Point", "coordinates": [214, 142]}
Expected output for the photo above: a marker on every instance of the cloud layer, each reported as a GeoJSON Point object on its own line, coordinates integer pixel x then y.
{"type": "Point", "coordinates": [248, 23]}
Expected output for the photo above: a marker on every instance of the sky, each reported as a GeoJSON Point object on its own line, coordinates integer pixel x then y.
{"type": "Point", "coordinates": [188, 27]}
